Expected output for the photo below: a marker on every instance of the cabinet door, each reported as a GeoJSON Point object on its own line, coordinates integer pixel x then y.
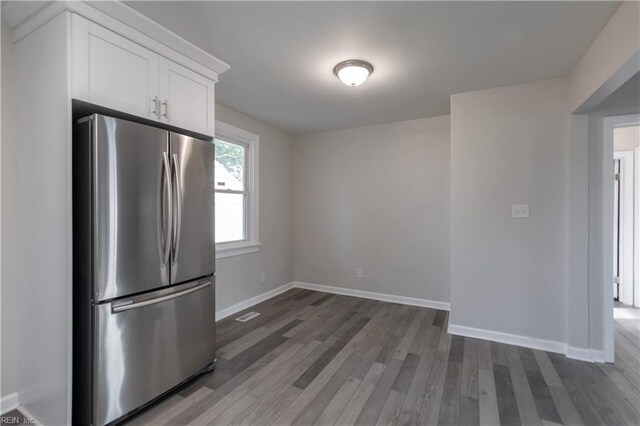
{"type": "Point", "coordinates": [111, 71]}
{"type": "Point", "coordinates": [186, 98]}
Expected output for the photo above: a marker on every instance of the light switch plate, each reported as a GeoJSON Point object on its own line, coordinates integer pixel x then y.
{"type": "Point", "coordinates": [520, 211]}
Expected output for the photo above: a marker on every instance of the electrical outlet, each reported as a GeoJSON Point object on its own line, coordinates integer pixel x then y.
{"type": "Point", "coordinates": [359, 273]}
{"type": "Point", "coordinates": [262, 277]}
{"type": "Point", "coordinates": [520, 211]}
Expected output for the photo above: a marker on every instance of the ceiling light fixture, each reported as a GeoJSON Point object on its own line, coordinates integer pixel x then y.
{"type": "Point", "coordinates": [353, 72]}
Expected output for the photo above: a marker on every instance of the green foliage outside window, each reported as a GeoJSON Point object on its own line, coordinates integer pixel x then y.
{"type": "Point", "coordinates": [231, 156]}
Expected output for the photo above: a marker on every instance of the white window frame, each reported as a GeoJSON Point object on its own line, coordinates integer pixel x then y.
{"type": "Point", "coordinates": [230, 133]}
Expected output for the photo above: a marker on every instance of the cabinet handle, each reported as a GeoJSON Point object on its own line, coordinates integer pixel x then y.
{"type": "Point", "coordinates": [154, 105]}
{"type": "Point", "coordinates": [166, 108]}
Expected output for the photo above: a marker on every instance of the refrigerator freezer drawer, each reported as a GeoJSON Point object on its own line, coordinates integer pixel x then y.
{"type": "Point", "coordinates": [148, 344]}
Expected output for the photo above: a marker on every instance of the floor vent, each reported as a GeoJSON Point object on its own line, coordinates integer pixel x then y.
{"type": "Point", "coordinates": [246, 317]}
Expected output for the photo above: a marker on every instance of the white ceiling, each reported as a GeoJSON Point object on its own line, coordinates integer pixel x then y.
{"type": "Point", "coordinates": [282, 53]}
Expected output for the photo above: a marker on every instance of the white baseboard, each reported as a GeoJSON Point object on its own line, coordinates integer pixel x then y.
{"type": "Point", "coordinates": [459, 330]}
{"type": "Point", "coordinates": [27, 414]}
{"type": "Point", "coordinates": [252, 301]}
{"type": "Point", "coordinates": [598, 356]}
{"type": "Point", "coordinates": [581, 354]}
{"type": "Point", "coordinates": [425, 303]}
{"type": "Point", "coordinates": [8, 403]}
{"type": "Point", "coordinates": [510, 339]}
{"type": "Point", "coordinates": [495, 336]}
{"type": "Point", "coordinates": [12, 402]}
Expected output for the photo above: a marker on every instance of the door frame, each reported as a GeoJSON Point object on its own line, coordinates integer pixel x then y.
{"type": "Point", "coordinates": [609, 124]}
{"type": "Point", "coordinates": [636, 227]}
{"type": "Point", "coordinates": [627, 226]}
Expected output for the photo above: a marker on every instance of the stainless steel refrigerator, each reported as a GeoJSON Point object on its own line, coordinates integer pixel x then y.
{"type": "Point", "coordinates": [144, 262]}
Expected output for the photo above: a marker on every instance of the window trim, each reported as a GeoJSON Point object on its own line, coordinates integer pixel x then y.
{"type": "Point", "coordinates": [233, 134]}
{"type": "Point", "coordinates": [245, 192]}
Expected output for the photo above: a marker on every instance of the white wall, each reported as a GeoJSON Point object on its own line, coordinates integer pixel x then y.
{"type": "Point", "coordinates": [375, 198]}
{"type": "Point", "coordinates": [44, 222]}
{"type": "Point", "coordinates": [509, 146]}
{"type": "Point", "coordinates": [33, 231]}
{"type": "Point", "coordinates": [238, 278]}
{"type": "Point", "coordinates": [626, 138]}
{"type": "Point", "coordinates": [9, 149]}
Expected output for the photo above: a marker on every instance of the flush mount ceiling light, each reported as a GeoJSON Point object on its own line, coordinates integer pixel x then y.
{"type": "Point", "coordinates": [353, 72]}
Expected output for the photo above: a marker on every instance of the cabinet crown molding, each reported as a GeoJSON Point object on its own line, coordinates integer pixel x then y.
{"type": "Point", "coordinates": [121, 19]}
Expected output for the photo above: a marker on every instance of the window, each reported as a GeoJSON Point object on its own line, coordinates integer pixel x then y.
{"type": "Point", "coordinates": [236, 191]}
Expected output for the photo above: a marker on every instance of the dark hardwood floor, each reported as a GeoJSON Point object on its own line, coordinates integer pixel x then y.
{"type": "Point", "coordinates": [315, 358]}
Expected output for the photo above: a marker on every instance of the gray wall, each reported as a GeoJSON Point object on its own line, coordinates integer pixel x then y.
{"type": "Point", "coordinates": [597, 234]}
{"type": "Point", "coordinates": [375, 198]}
{"type": "Point", "coordinates": [238, 278]}
{"type": "Point", "coordinates": [578, 236]}
{"type": "Point", "coordinates": [9, 153]}
{"type": "Point", "coordinates": [509, 146]}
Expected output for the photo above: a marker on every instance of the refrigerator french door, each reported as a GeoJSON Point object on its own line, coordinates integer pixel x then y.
{"type": "Point", "coordinates": [144, 289]}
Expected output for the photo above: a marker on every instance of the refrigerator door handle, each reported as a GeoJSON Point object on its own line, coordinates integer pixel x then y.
{"type": "Point", "coordinates": [168, 193]}
{"type": "Point", "coordinates": [135, 305]}
{"type": "Point", "coordinates": [177, 219]}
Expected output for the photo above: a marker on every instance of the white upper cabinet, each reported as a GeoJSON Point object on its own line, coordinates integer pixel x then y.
{"type": "Point", "coordinates": [186, 98]}
{"type": "Point", "coordinates": [112, 71]}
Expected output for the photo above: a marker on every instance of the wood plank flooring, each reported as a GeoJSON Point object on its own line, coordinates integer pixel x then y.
{"type": "Point", "coordinates": [313, 358]}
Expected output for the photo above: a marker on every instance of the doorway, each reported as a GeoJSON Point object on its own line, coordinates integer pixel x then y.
{"type": "Point", "coordinates": [621, 136]}
{"type": "Point", "coordinates": [626, 140]}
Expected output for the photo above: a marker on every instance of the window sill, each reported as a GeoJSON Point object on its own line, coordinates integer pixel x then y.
{"type": "Point", "coordinates": [236, 249]}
